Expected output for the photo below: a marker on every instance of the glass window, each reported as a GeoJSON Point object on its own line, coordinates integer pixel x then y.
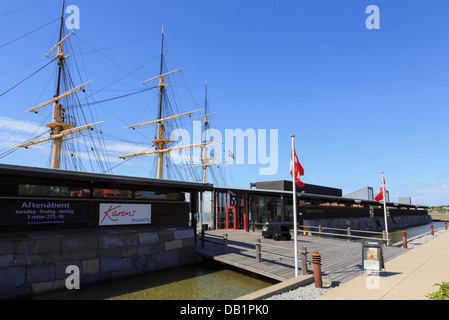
{"type": "Point", "coordinates": [270, 206]}
{"type": "Point", "coordinates": [113, 193]}
{"type": "Point", "coordinates": [221, 210]}
{"type": "Point", "coordinates": [151, 195]}
{"type": "Point", "coordinates": [370, 194]}
{"type": "Point", "coordinates": [52, 191]}
{"type": "Point", "coordinates": [261, 211]}
{"type": "Point", "coordinates": [279, 216]}
{"type": "Point", "coordinates": [288, 207]}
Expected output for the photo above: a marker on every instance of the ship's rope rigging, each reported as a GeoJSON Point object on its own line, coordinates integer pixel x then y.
{"type": "Point", "coordinates": [28, 33]}
{"type": "Point", "coordinates": [20, 9]}
{"type": "Point", "coordinates": [22, 37]}
{"type": "Point", "coordinates": [74, 105]}
{"type": "Point", "coordinates": [68, 81]}
{"type": "Point", "coordinates": [28, 77]}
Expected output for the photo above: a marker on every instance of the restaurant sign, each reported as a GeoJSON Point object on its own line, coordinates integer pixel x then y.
{"type": "Point", "coordinates": [42, 212]}
{"type": "Point", "coordinates": [124, 214]}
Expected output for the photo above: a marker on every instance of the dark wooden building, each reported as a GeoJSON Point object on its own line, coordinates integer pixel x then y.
{"type": "Point", "coordinates": [40, 198]}
{"type": "Point", "coordinates": [272, 201]}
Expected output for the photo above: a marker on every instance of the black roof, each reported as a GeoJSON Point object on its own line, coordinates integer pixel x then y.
{"type": "Point", "coordinates": [311, 196]}
{"type": "Point", "coordinates": [14, 173]}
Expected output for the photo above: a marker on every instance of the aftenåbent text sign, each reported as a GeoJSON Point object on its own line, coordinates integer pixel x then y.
{"type": "Point", "coordinates": [41, 212]}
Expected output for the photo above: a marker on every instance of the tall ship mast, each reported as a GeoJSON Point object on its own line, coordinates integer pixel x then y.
{"type": "Point", "coordinates": [77, 141]}
{"type": "Point", "coordinates": [206, 161]}
{"type": "Point", "coordinates": [64, 120]}
{"type": "Point", "coordinates": [161, 142]}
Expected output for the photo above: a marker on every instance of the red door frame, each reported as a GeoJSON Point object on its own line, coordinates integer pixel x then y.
{"type": "Point", "coordinates": [234, 218]}
{"type": "Point", "coordinates": [234, 208]}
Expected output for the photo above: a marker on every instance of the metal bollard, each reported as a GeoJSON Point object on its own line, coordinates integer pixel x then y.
{"type": "Point", "coordinates": [445, 225]}
{"type": "Point", "coordinates": [225, 243]}
{"type": "Point", "coordinates": [203, 233]}
{"type": "Point", "coordinates": [304, 260]}
{"type": "Point", "coordinates": [349, 233]}
{"type": "Point", "coordinates": [316, 260]}
{"type": "Point", "coordinates": [431, 230]}
{"type": "Point", "coordinates": [404, 239]}
{"type": "Point", "coordinates": [258, 246]}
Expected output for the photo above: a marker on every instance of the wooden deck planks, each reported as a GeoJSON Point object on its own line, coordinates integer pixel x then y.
{"type": "Point", "coordinates": [340, 259]}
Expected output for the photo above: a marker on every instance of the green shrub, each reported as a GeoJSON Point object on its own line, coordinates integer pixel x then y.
{"type": "Point", "coordinates": [442, 293]}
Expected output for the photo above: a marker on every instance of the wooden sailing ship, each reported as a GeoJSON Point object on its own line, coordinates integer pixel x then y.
{"type": "Point", "coordinates": [63, 125]}
{"type": "Point", "coordinates": [206, 161]}
{"type": "Point", "coordinates": [63, 128]}
{"type": "Point", "coordinates": [161, 143]}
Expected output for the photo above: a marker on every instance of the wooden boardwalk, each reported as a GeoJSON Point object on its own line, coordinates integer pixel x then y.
{"type": "Point", "coordinates": [340, 259]}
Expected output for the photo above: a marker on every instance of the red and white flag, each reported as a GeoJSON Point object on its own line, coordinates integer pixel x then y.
{"type": "Point", "coordinates": [380, 195]}
{"type": "Point", "coordinates": [299, 171]}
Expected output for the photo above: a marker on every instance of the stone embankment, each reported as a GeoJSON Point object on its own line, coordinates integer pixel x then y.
{"type": "Point", "coordinates": [369, 224]}
{"type": "Point", "coordinates": [36, 262]}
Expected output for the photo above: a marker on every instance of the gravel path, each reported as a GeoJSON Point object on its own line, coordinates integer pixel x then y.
{"type": "Point", "coordinates": [303, 293]}
{"type": "Point", "coordinates": [310, 292]}
{"type": "Point", "coordinates": [424, 238]}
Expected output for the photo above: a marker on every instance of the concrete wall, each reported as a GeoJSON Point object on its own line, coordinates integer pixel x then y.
{"type": "Point", "coordinates": [406, 200]}
{"type": "Point", "coordinates": [36, 262]}
{"type": "Point", "coordinates": [366, 193]}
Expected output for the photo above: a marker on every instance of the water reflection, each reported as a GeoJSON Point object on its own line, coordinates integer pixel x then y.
{"type": "Point", "coordinates": [203, 281]}
{"type": "Point", "coordinates": [396, 236]}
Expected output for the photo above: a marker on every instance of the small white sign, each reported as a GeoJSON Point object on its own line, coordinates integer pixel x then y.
{"type": "Point", "coordinates": [124, 214]}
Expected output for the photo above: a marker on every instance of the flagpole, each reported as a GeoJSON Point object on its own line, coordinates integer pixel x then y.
{"type": "Point", "coordinates": [385, 207]}
{"type": "Point", "coordinates": [295, 231]}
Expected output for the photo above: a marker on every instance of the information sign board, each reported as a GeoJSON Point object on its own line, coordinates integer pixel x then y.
{"type": "Point", "coordinates": [43, 212]}
{"type": "Point", "coordinates": [372, 256]}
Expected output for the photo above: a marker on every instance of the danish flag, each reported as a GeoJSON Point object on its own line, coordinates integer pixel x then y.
{"type": "Point", "coordinates": [380, 195]}
{"type": "Point", "coordinates": [299, 171]}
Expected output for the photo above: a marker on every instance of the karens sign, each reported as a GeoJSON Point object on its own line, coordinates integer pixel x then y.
{"type": "Point", "coordinates": [124, 214]}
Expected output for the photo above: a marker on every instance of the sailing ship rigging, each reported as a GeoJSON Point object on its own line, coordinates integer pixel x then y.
{"type": "Point", "coordinates": [206, 161]}
{"type": "Point", "coordinates": [161, 142]}
{"type": "Point", "coordinates": [66, 118]}
{"type": "Point", "coordinates": [67, 123]}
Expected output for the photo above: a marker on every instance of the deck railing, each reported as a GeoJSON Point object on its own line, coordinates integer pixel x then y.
{"type": "Point", "coordinates": [257, 248]}
{"type": "Point", "coordinates": [349, 233]}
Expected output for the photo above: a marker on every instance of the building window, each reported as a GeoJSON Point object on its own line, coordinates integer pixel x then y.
{"type": "Point", "coordinates": [221, 210]}
{"type": "Point", "coordinates": [113, 193]}
{"type": "Point", "coordinates": [152, 195]}
{"type": "Point", "coordinates": [31, 190]}
{"type": "Point", "coordinates": [288, 207]}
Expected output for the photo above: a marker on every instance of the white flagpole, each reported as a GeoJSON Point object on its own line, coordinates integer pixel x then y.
{"type": "Point", "coordinates": [295, 231]}
{"type": "Point", "coordinates": [385, 206]}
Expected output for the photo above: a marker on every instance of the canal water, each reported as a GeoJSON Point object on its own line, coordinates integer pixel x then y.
{"type": "Point", "coordinates": [396, 236]}
{"type": "Point", "coordinates": [207, 280]}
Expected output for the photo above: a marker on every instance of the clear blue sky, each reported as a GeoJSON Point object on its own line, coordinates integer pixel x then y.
{"type": "Point", "coordinates": [359, 101]}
